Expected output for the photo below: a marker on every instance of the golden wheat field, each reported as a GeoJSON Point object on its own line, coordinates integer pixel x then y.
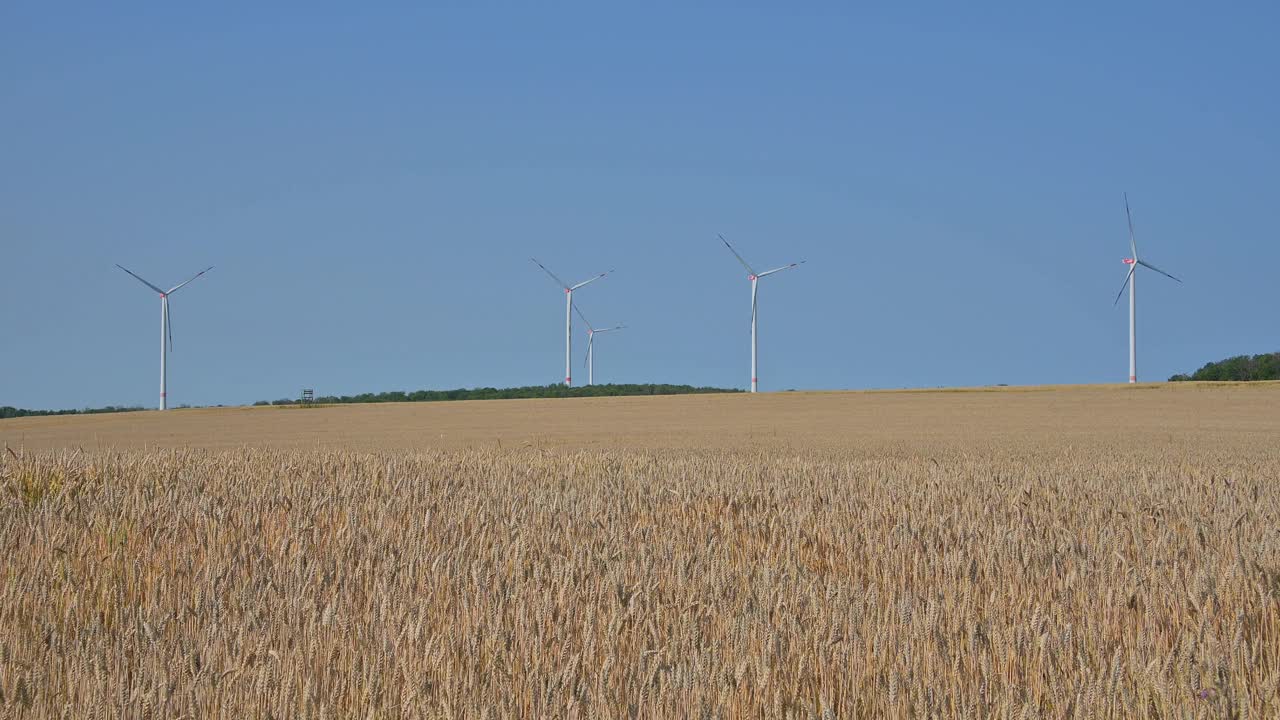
{"type": "Point", "coordinates": [1105, 552]}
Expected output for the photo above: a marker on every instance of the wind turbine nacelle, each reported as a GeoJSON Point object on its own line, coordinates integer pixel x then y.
{"type": "Point", "coordinates": [1128, 261]}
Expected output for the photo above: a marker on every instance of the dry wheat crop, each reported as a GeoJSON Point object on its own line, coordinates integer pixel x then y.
{"type": "Point", "coordinates": [1018, 582]}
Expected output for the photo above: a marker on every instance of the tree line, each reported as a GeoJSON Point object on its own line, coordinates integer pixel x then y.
{"type": "Point", "coordinates": [7, 411]}
{"type": "Point", "coordinates": [488, 393]}
{"type": "Point", "coordinates": [1240, 367]}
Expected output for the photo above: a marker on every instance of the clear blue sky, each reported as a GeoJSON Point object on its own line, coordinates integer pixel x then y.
{"type": "Point", "coordinates": [371, 185]}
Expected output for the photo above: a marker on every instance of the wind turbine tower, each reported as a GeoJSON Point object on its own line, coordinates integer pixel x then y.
{"type": "Point", "coordinates": [568, 317]}
{"type": "Point", "coordinates": [591, 344]}
{"type": "Point", "coordinates": [1131, 280]}
{"type": "Point", "coordinates": [166, 331]}
{"type": "Point", "coordinates": [754, 277]}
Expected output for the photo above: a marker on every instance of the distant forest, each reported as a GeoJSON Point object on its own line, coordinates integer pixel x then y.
{"type": "Point", "coordinates": [13, 412]}
{"type": "Point", "coordinates": [532, 391]}
{"type": "Point", "coordinates": [1241, 367]}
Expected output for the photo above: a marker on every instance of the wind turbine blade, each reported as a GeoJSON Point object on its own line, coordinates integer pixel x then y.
{"type": "Point", "coordinates": [753, 309]}
{"type": "Point", "coordinates": [559, 282]}
{"type": "Point", "coordinates": [588, 282]}
{"type": "Point", "coordinates": [735, 254]}
{"type": "Point", "coordinates": [168, 321]}
{"type": "Point", "coordinates": [584, 317]}
{"type": "Point", "coordinates": [1146, 264]}
{"type": "Point", "coordinates": [1126, 284]}
{"type": "Point", "coordinates": [144, 282]}
{"type": "Point", "coordinates": [175, 288]}
{"type": "Point", "coordinates": [1133, 242]}
{"type": "Point", "coordinates": [780, 269]}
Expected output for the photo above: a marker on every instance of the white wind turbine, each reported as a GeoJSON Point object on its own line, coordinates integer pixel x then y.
{"type": "Point", "coordinates": [754, 277]}
{"type": "Point", "coordinates": [1131, 280]}
{"type": "Point", "coordinates": [166, 332]}
{"type": "Point", "coordinates": [591, 342]}
{"type": "Point", "coordinates": [568, 317]}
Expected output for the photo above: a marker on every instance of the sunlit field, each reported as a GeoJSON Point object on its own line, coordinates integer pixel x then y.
{"type": "Point", "coordinates": [1057, 553]}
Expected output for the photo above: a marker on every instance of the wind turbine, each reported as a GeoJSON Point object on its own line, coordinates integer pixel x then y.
{"type": "Point", "coordinates": [568, 317]}
{"type": "Point", "coordinates": [166, 332]}
{"type": "Point", "coordinates": [591, 341]}
{"type": "Point", "coordinates": [754, 277]}
{"type": "Point", "coordinates": [1130, 280]}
